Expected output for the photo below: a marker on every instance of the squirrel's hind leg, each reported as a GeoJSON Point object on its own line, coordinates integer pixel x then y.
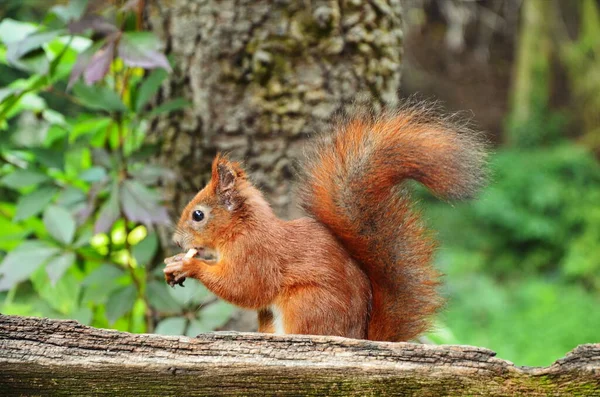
{"type": "Point", "coordinates": [265, 321]}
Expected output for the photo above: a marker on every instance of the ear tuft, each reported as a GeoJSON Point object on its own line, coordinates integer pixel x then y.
{"type": "Point", "coordinates": [225, 175]}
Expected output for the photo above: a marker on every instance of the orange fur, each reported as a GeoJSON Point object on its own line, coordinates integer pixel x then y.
{"type": "Point", "coordinates": [360, 265]}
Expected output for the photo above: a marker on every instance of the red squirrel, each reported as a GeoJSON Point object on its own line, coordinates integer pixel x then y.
{"type": "Point", "coordinates": [360, 264]}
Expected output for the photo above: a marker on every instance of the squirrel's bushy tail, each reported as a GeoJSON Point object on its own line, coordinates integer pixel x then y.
{"type": "Point", "coordinates": [353, 184]}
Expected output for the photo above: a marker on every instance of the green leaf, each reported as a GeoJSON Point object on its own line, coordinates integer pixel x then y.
{"type": "Point", "coordinates": [100, 283]}
{"type": "Point", "coordinates": [160, 299]}
{"type": "Point", "coordinates": [192, 294]}
{"type": "Point", "coordinates": [62, 296]}
{"type": "Point", "coordinates": [151, 174]}
{"type": "Point", "coordinates": [6, 92]}
{"type": "Point", "coordinates": [170, 106]}
{"type": "Point", "coordinates": [84, 239]}
{"type": "Point", "coordinates": [216, 314]}
{"type": "Point", "coordinates": [34, 202]}
{"type": "Point", "coordinates": [12, 30]}
{"type": "Point", "coordinates": [70, 197]}
{"type": "Point", "coordinates": [58, 265]}
{"type": "Point", "coordinates": [98, 97]}
{"type": "Point", "coordinates": [27, 54]}
{"type": "Point", "coordinates": [60, 223]}
{"type": "Point", "coordinates": [144, 152]}
{"type": "Point", "coordinates": [11, 234]}
{"type": "Point", "coordinates": [105, 274]}
{"type": "Point", "coordinates": [36, 63]}
{"type": "Point", "coordinates": [149, 87]}
{"type": "Point", "coordinates": [144, 251]}
{"type": "Point", "coordinates": [73, 11]}
{"type": "Point", "coordinates": [23, 178]}
{"type": "Point", "coordinates": [171, 326]}
{"type": "Point", "coordinates": [94, 174]}
{"type": "Point", "coordinates": [120, 302]}
{"type": "Point", "coordinates": [196, 328]}
{"type": "Point", "coordinates": [51, 158]}
{"type": "Point", "coordinates": [84, 315]}
{"type": "Point", "coordinates": [54, 118]}
{"type": "Point", "coordinates": [18, 49]}
{"type": "Point", "coordinates": [24, 260]}
{"type": "Point", "coordinates": [89, 126]}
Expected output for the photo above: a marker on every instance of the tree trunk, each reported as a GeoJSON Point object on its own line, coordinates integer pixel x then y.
{"type": "Point", "coordinates": [57, 357]}
{"type": "Point", "coordinates": [530, 93]}
{"type": "Point", "coordinates": [262, 76]}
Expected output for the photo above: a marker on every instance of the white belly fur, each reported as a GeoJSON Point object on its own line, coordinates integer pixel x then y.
{"type": "Point", "coordinates": [277, 320]}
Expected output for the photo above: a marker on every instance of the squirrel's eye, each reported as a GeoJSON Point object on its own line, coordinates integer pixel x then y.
{"type": "Point", "coordinates": [197, 216]}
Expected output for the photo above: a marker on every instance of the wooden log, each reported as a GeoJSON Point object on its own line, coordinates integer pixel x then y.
{"type": "Point", "coordinates": [57, 357]}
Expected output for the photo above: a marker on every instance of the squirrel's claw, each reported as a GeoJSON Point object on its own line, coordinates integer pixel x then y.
{"type": "Point", "coordinates": [174, 271]}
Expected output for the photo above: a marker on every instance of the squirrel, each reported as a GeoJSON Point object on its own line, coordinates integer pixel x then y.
{"type": "Point", "coordinates": [359, 265]}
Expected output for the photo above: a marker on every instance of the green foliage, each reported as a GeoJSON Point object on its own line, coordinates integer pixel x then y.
{"type": "Point", "coordinates": [542, 205]}
{"type": "Point", "coordinates": [79, 201]}
{"type": "Point", "coordinates": [522, 264]}
{"type": "Point", "coordinates": [530, 321]}
{"type": "Point", "coordinates": [542, 127]}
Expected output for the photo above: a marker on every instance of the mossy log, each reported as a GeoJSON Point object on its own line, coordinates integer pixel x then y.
{"type": "Point", "coordinates": [58, 357]}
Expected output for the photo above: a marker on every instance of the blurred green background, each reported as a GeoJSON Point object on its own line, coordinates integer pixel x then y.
{"type": "Point", "coordinates": [81, 201]}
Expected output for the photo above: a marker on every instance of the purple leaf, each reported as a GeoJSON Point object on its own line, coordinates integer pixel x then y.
{"type": "Point", "coordinates": [99, 64]}
{"type": "Point", "coordinates": [151, 174]}
{"type": "Point", "coordinates": [96, 23]}
{"type": "Point", "coordinates": [101, 157]}
{"type": "Point", "coordinates": [109, 212]}
{"type": "Point", "coordinates": [142, 49]}
{"type": "Point", "coordinates": [83, 60]}
{"type": "Point", "coordinates": [141, 204]}
{"type": "Point", "coordinates": [83, 214]}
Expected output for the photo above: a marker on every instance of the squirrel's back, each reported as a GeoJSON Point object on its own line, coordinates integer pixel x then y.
{"type": "Point", "coordinates": [353, 183]}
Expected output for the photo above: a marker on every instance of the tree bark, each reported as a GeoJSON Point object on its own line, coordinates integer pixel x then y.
{"type": "Point", "coordinates": [532, 67]}
{"type": "Point", "coordinates": [262, 76]}
{"type": "Point", "coordinates": [58, 357]}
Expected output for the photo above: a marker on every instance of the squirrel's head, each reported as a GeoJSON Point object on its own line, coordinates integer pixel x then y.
{"type": "Point", "coordinates": [226, 207]}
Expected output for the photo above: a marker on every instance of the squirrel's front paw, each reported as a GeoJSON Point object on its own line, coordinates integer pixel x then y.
{"type": "Point", "coordinates": [178, 267]}
{"type": "Point", "coordinates": [174, 274]}
{"type": "Point", "coordinates": [174, 271]}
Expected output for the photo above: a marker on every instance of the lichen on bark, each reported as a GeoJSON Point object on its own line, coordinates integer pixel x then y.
{"type": "Point", "coordinates": [263, 76]}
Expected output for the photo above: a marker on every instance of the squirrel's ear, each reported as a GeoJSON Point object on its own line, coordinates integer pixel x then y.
{"type": "Point", "coordinates": [225, 177]}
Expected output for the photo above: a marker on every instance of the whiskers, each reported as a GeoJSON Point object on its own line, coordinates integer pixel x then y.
{"type": "Point", "coordinates": [180, 236]}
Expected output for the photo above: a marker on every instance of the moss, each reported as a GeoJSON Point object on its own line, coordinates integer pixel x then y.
{"type": "Point", "coordinates": [319, 26]}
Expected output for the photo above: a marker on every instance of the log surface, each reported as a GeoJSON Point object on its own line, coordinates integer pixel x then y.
{"type": "Point", "coordinates": [58, 357]}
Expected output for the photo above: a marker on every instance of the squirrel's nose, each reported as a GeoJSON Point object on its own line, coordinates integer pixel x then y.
{"type": "Point", "coordinates": [177, 242]}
